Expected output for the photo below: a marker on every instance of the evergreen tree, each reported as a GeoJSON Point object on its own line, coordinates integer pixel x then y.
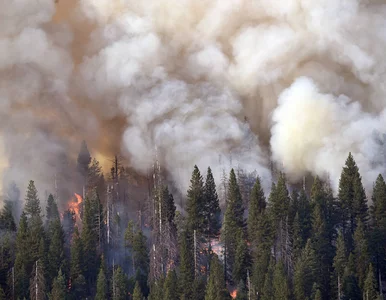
{"type": "Point", "coordinates": [157, 290]}
{"type": "Point", "coordinates": [141, 258]}
{"type": "Point", "coordinates": [279, 200]}
{"type": "Point", "coordinates": [59, 287]}
{"type": "Point", "coordinates": [352, 200]}
{"type": "Point", "coordinates": [84, 160]}
{"type": "Point", "coordinates": [351, 290]}
{"type": "Point", "coordinates": [241, 291]}
{"type": "Point", "coordinates": [280, 284]}
{"type": "Point", "coordinates": [257, 205]}
{"type": "Point", "coordinates": [7, 221]}
{"type": "Point", "coordinates": [195, 202]}
{"type": "Point", "coordinates": [101, 293]}
{"type": "Point", "coordinates": [212, 212]}
{"type": "Point", "coordinates": [370, 285]}
{"type": "Point", "coordinates": [233, 220]}
{"type": "Point", "coordinates": [56, 249]}
{"type": "Point", "coordinates": [186, 276]}
{"type": "Point", "coordinates": [340, 262]}
{"type": "Point", "coordinates": [216, 288]}
{"type": "Point", "coordinates": [378, 213]}
{"type": "Point", "coordinates": [120, 285]}
{"type": "Point", "coordinates": [171, 286]}
{"type": "Point", "coordinates": [95, 178]}
{"type": "Point", "coordinates": [32, 202]}
{"type": "Point", "coordinates": [52, 212]}
{"type": "Point", "coordinates": [304, 276]}
{"type": "Point", "coordinates": [77, 256]}
{"type": "Point", "coordinates": [137, 292]}
{"type": "Point", "coordinates": [90, 235]}
{"type": "Point", "coordinates": [268, 289]}
{"type": "Point", "coordinates": [22, 258]}
{"type": "Point", "coordinates": [199, 286]}
{"type": "Point", "coordinates": [37, 283]}
{"type": "Point", "coordinates": [241, 259]}
{"type": "Point", "coordinates": [361, 252]}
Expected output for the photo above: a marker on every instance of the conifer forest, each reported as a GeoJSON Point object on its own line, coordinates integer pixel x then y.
{"type": "Point", "coordinates": [294, 242]}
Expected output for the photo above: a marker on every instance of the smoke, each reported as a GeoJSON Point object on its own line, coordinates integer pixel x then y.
{"type": "Point", "coordinates": [297, 82]}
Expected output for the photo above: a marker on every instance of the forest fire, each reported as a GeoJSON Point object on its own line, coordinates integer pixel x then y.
{"type": "Point", "coordinates": [75, 205]}
{"type": "Point", "coordinates": [234, 294]}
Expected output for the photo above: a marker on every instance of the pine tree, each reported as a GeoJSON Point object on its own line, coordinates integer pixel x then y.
{"type": "Point", "coordinates": [137, 292]}
{"type": "Point", "coordinates": [199, 286]}
{"type": "Point", "coordinates": [56, 249]}
{"type": "Point", "coordinates": [257, 205]}
{"type": "Point", "coordinates": [340, 262]}
{"type": "Point", "coordinates": [52, 212]}
{"type": "Point", "coordinates": [22, 258]}
{"type": "Point", "coordinates": [212, 212]}
{"type": "Point", "coordinates": [58, 291]}
{"type": "Point", "coordinates": [7, 221]}
{"type": "Point", "coordinates": [241, 259]}
{"type": "Point", "coordinates": [84, 159]}
{"type": "Point", "coordinates": [77, 256]}
{"type": "Point", "coordinates": [171, 286]}
{"type": "Point", "coordinates": [304, 276]}
{"type": "Point", "coordinates": [361, 252]}
{"type": "Point", "coordinates": [90, 236]}
{"type": "Point", "coordinates": [216, 288]}
{"type": "Point", "coordinates": [241, 291]}
{"type": "Point", "coordinates": [141, 258]}
{"type": "Point", "coordinates": [101, 293]}
{"type": "Point", "coordinates": [352, 200]}
{"type": "Point", "coordinates": [351, 290]}
{"type": "Point", "coordinates": [378, 213]}
{"type": "Point", "coordinates": [32, 202]}
{"type": "Point", "coordinates": [370, 285]}
{"type": "Point", "coordinates": [95, 178]}
{"type": "Point", "coordinates": [233, 220]}
{"type": "Point", "coordinates": [280, 284]}
{"type": "Point", "coordinates": [195, 202]}
{"type": "Point", "coordinates": [120, 285]}
{"type": "Point", "coordinates": [157, 289]}
{"type": "Point", "coordinates": [279, 200]}
{"type": "Point", "coordinates": [268, 289]}
{"type": "Point", "coordinates": [37, 283]}
{"type": "Point", "coordinates": [186, 275]}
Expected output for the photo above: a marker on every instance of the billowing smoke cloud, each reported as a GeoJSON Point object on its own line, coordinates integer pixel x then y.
{"type": "Point", "coordinates": [197, 79]}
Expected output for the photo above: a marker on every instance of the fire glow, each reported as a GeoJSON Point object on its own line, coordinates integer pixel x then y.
{"type": "Point", "coordinates": [234, 294]}
{"type": "Point", "coordinates": [75, 205]}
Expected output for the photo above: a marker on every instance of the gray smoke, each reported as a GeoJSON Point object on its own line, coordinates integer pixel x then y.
{"type": "Point", "coordinates": [239, 79]}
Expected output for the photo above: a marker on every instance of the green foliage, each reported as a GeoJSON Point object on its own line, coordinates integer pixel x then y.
{"type": "Point", "coordinates": [242, 293]}
{"type": "Point", "coordinates": [361, 252]}
{"type": "Point", "coordinates": [186, 274]}
{"type": "Point", "coordinates": [58, 291]}
{"type": "Point", "coordinates": [56, 249]}
{"type": "Point", "coordinates": [212, 212]}
{"type": "Point", "coordinates": [77, 255]}
{"type": "Point", "coordinates": [52, 212]}
{"type": "Point", "coordinates": [7, 221]}
{"type": "Point", "coordinates": [257, 205]}
{"type": "Point", "coordinates": [119, 288]}
{"type": "Point", "coordinates": [32, 202]}
{"type": "Point", "coordinates": [350, 285]}
{"type": "Point", "coordinates": [370, 285]}
{"type": "Point", "coordinates": [195, 203]}
{"type": "Point", "coordinates": [102, 288]}
{"type": "Point", "coordinates": [281, 289]}
{"type": "Point", "coordinates": [352, 200]}
{"type": "Point", "coordinates": [233, 220]}
{"type": "Point", "coordinates": [137, 295]}
{"type": "Point", "coordinates": [304, 276]}
{"type": "Point", "coordinates": [171, 286]}
{"type": "Point", "coordinates": [242, 261]}
{"type": "Point", "coordinates": [216, 288]}
{"type": "Point", "coordinates": [141, 258]}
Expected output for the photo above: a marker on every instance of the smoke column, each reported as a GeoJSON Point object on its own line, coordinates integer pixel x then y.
{"type": "Point", "coordinates": [297, 82]}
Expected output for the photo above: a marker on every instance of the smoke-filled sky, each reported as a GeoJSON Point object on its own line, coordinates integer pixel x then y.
{"type": "Point", "coordinates": [298, 82]}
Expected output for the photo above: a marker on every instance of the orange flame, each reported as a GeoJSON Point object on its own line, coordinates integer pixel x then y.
{"type": "Point", "coordinates": [75, 205]}
{"type": "Point", "coordinates": [234, 294]}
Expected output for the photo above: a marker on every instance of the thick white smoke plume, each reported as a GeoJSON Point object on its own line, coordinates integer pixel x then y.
{"type": "Point", "coordinates": [302, 80]}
